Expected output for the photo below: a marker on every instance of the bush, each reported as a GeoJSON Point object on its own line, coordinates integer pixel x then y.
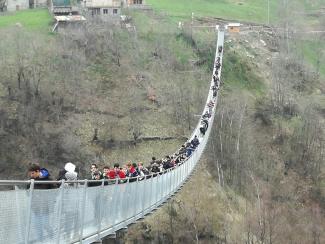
{"type": "Point", "coordinates": [263, 111]}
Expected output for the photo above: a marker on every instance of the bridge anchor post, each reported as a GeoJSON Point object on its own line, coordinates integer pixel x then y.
{"type": "Point", "coordinates": [118, 238]}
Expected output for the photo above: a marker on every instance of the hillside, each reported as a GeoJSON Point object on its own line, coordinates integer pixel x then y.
{"type": "Point", "coordinates": [33, 19]}
{"type": "Point", "coordinates": [271, 180]}
{"type": "Point", "coordinates": [267, 150]}
{"type": "Point", "coordinates": [56, 91]}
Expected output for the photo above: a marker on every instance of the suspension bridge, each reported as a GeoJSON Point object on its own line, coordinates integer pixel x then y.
{"type": "Point", "coordinates": [82, 214]}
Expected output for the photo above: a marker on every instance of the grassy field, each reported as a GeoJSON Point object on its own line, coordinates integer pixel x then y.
{"type": "Point", "coordinates": [33, 19]}
{"type": "Point", "coordinates": [250, 10]}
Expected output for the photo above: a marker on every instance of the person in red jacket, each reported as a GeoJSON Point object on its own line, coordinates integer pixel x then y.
{"type": "Point", "coordinates": [111, 174]}
{"type": "Point", "coordinates": [120, 174]}
{"type": "Point", "coordinates": [133, 173]}
{"type": "Point", "coordinates": [116, 173]}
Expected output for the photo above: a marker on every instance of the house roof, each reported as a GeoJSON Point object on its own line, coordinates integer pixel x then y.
{"type": "Point", "coordinates": [69, 18]}
{"type": "Point", "coordinates": [61, 2]}
{"type": "Point", "coordinates": [234, 24]}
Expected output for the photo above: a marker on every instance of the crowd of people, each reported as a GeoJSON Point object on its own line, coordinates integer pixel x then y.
{"type": "Point", "coordinates": [135, 171]}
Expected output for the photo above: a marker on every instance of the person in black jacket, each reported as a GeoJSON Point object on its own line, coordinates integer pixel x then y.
{"type": "Point", "coordinates": [182, 150]}
{"type": "Point", "coordinates": [204, 126]}
{"type": "Point", "coordinates": [97, 175]}
{"type": "Point", "coordinates": [37, 173]}
{"type": "Point", "coordinates": [195, 142]}
{"type": "Point", "coordinates": [155, 168]}
{"type": "Point", "coordinates": [220, 49]}
{"type": "Point", "coordinates": [40, 202]}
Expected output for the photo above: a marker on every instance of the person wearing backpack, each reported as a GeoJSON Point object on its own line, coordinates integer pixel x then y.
{"type": "Point", "coordinates": [37, 173]}
{"type": "Point", "coordinates": [195, 142]}
{"type": "Point", "coordinates": [41, 209]}
{"type": "Point", "coordinates": [133, 173]}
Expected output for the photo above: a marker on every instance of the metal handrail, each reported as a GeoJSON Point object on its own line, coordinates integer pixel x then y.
{"type": "Point", "coordinates": [56, 182]}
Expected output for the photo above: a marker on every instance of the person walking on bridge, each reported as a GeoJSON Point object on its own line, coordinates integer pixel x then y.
{"type": "Point", "coordinates": [37, 173]}
{"type": "Point", "coordinates": [40, 225]}
{"type": "Point", "coordinates": [94, 171]}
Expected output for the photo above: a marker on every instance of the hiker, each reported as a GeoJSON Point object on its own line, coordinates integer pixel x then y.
{"type": "Point", "coordinates": [195, 141]}
{"type": "Point", "coordinates": [155, 168]}
{"type": "Point", "coordinates": [111, 173]}
{"type": "Point", "coordinates": [217, 66]}
{"type": "Point", "coordinates": [121, 174]}
{"type": "Point", "coordinates": [37, 173]}
{"type": "Point", "coordinates": [215, 91]}
{"type": "Point", "coordinates": [204, 126]}
{"type": "Point", "coordinates": [189, 149]}
{"type": "Point", "coordinates": [167, 163]}
{"type": "Point", "coordinates": [41, 209]}
{"type": "Point", "coordinates": [206, 115]}
{"type": "Point", "coordinates": [142, 170]}
{"type": "Point", "coordinates": [117, 173]}
{"type": "Point", "coordinates": [93, 169]}
{"type": "Point", "coordinates": [153, 160]}
{"type": "Point", "coordinates": [210, 104]}
{"type": "Point", "coordinates": [61, 175]}
{"type": "Point", "coordinates": [215, 79]}
{"type": "Point", "coordinates": [132, 172]}
{"type": "Point", "coordinates": [182, 150]}
{"type": "Point", "coordinates": [220, 49]}
{"type": "Point", "coordinates": [210, 107]}
{"type": "Point", "coordinates": [97, 175]}
{"type": "Point", "coordinates": [106, 171]}
{"type": "Point", "coordinates": [202, 130]}
{"type": "Point", "coordinates": [70, 174]}
{"type": "Point", "coordinates": [68, 168]}
{"type": "Point", "coordinates": [205, 122]}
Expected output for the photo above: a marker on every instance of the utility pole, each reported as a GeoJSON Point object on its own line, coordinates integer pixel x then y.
{"type": "Point", "coordinates": [287, 23]}
{"type": "Point", "coordinates": [192, 22]}
{"type": "Point", "coordinates": [268, 12]}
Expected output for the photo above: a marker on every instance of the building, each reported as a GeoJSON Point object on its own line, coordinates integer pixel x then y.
{"type": "Point", "coordinates": [63, 7]}
{"type": "Point", "coordinates": [65, 14]}
{"type": "Point", "coordinates": [3, 5]}
{"type": "Point", "coordinates": [38, 3]}
{"type": "Point", "coordinates": [233, 27]}
{"type": "Point", "coordinates": [13, 5]}
{"type": "Point", "coordinates": [104, 8]}
{"type": "Point", "coordinates": [63, 21]}
{"type": "Point", "coordinates": [134, 2]}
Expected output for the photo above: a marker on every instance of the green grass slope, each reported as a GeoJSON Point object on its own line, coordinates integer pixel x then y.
{"type": "Point", "coordinates": [250, 10]}
{"type": "Point", "coordinates": [32, 19]}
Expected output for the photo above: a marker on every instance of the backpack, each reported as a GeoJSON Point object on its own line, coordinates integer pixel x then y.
{"type": "Point", "coordinates": [44, 173]}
